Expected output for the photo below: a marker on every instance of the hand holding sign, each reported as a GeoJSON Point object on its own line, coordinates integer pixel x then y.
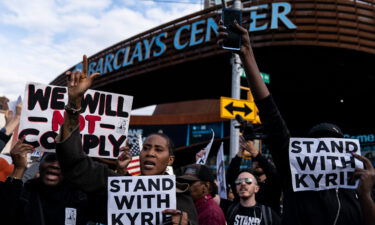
{"type": "Point", "coordinates": [12, 119]}
{"type": "Point", "coordinates": [178, 217]}
{"type": "Point", "coordinates": [78, 82]}
{"type": "Point", "coordinates": [124, 159]}
{"type": "Point", "coordinates": [19, 156]}
{"type": "Point", "coordinates": [366, 175]}
{"type": "Point", "coordinates": [248, 148]}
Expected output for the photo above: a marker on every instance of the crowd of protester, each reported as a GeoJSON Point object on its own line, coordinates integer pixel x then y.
{"type": "Point", "coordinates": [70, 184]}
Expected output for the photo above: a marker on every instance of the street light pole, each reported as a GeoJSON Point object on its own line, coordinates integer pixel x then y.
{"type": "Point", "coordinates": [236, 84]}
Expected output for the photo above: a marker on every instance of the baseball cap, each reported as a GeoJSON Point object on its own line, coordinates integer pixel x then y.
{"type": "Point", "coordinates": [325, 130]}
{"type": "Point", "coordinates": [196, 172]}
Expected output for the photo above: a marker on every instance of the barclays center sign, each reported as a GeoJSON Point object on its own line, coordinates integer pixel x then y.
{"type": "Point", "coordinates": [197, 33]}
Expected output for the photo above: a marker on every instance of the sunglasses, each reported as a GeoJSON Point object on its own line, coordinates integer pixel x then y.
{"type": "Point", "coordinates": [246, 180]}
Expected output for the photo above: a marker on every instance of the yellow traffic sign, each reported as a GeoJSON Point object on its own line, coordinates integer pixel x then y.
{"type": "Point", "coordinates": [230, 107]}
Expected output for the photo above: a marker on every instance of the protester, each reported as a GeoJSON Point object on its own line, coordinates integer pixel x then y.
{"type": "Point", "coordinates": [90, 176]}
{"type": "Point", "coordinates": [203, 190]}
{"type": "Point", "coordinates": [247, 210]}
{"type": "Point", "coordinates": [11, 122]}
{"type": "Point", "coordinates": [44, 200]}
{"type": "Point", "coordinates": [224, 203]}
{"type": "Point", "coordinates": [334, 206]}
{"type": "Point", "coordinates": [269, 180]}
{"type": "Point", "coordinates": [366, 190]}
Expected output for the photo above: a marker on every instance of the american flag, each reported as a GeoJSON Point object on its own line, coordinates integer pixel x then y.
{"type": "Point", "coordinates": [134, 167]}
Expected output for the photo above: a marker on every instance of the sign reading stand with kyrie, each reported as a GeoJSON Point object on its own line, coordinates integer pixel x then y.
{"type": "Point", "coordinates": [323, 163]}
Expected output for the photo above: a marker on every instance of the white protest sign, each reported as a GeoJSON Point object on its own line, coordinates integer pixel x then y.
{"type": "Point", "coordinates": [220, 171]}
{"type": "Point", "coordinates": [104, 121]}
{"type": "Point", "coordinates": [207, 149]}
{"type": "Point", "coordinates": [323, 163]}
{"type": "Point", "coordinates": [138, 200]}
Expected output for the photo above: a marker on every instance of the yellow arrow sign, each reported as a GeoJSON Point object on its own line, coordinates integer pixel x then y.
{"type": "Point", "coordinates": [230, 107]}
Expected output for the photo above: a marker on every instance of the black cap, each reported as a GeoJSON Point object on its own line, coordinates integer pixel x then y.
{"type": "Point", "coordinates": [196, 172]}
{"type": "Point", "coordinates": [325, 130]}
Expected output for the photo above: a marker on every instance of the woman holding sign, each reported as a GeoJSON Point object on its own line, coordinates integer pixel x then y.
{"type": "Point", "coordinates": [92, 177]}
{"type": "Point", "coordinates": [327, 207]}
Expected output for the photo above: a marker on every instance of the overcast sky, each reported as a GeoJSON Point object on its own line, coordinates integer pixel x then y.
{"type": "Point", "coordinates": [40, 39]}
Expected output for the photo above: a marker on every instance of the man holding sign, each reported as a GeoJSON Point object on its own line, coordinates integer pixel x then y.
{"type": "Point", "coordinates": [93, 177]}
{"type": "Point", "coordinates": [324, 207]}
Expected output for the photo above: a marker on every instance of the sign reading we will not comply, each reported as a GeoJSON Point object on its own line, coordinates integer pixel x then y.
{"type": "Point", "coordinates": [140, 200]}
{"type": "Point", "coordinates": [323, 163]}
{"type": "Point", "coordinates": [104, 120]}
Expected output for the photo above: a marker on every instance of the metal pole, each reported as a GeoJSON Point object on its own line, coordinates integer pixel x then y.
{"type": "Point", "coordinates": [234, 133]}
{"type": "Point", "coordinates": [236, 84]}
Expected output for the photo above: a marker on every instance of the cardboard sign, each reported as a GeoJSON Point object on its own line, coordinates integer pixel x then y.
{"type": "Point", "coordinates": [323, 163]}
{"type": "Point", "coordinates": [141, 199]}
{"type": "Point", "coordinates": [104, 120]}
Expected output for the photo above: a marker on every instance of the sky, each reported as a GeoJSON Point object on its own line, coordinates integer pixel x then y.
{"type": "Point", "coordinates": [40, 39]}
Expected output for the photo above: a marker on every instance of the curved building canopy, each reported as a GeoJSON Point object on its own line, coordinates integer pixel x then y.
{"type": "Point", "coordinates": [319, 55]}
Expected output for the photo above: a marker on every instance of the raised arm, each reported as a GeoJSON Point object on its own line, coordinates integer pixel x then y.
{"type": "Point", "coordinates": [233, 170]}
{"type": "Point", "coordinates": [254, 79]}
{"type": "Point", "coordinates": [11, 122]}
{"type": "Point", "coordinates": [275, 127]}
{"type": "Point", "coordinates": [76, 166]}
{"type": "Point", "coordinates": [78, 83]}
{"type": "Point", "coordinates": [19, 157]}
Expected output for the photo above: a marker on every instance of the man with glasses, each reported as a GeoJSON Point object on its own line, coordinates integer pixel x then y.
{"type": "Point", "coordinates": [247, 211]}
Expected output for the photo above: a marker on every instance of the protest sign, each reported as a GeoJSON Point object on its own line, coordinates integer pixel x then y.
{"type": "Point", "coordinates": [103, 122]}
{"type": "Point", "coordinates": [207, 149]}
{"type": "Point", "coordinates": [323, 163]}
{"type": "Point", "coordinates": [220, 171]}
{"type": "Point", "coordinates": [140, 200]}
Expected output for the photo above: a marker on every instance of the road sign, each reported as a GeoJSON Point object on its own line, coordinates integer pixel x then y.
{"type": "Point", "coordinates": [265, 76]}
{"type": "Point", "coordinates": [230, 107]}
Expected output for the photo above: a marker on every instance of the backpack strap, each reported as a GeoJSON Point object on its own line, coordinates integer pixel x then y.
{"type": "Point", "coordinates": [232, 211]}
{"type": "Point", "coordinates": [264, 214]}
{"type": "Point", "coordinates": [267, 215]}
{"type": "Point", "coordinates": [270, 214]}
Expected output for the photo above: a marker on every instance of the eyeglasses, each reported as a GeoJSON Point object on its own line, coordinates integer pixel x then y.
{"type": "Point", "coordinates": [246, 180]}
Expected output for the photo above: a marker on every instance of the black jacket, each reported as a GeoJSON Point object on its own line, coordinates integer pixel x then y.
{"type": "Point", "coordinates": [306, 207]}
{"type": "Point", "coordinates": [37, 204]}
{"type": "Point", "coordinates": [92, 176]}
